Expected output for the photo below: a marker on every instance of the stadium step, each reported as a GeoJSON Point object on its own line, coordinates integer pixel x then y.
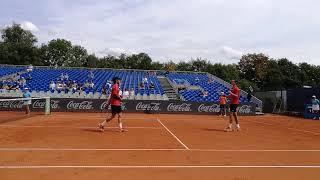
{"type": "Point", "coordinates": [168, 89]}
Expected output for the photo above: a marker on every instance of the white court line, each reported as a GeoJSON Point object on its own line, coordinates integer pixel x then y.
{"type": "Point", "coordinates": [79, 127]}
{"type": "Point", "coordinates": [299, 130]}
{"type": "Point", "coordinates": [194, 150]}
{"type": "Point", "coordinates": [153, 167]}
{"type": "Point", "coordinates": [173, 135]}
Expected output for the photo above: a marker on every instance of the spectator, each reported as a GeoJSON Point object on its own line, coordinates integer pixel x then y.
{"type": "Point", "coordinates": [91, 85]}
{"type": "Point", "coordinates": [197, 80]}
{"type": "Point", "coordinates": [131, 93]}
{"type": "Point", "coordinates": [126, 93]}
{"type": "Point", "coordinates": [91, 75]}
{"type": "Point", "coordinates": [29, 77]}
{"type": "Point", "coordinates": [141, 85]}
{"type": "Point", "coordinates": [30, 68]}
{"type": "Point", "coordinates": [315, 107]}
{"type": "Point", "coordinates": [59, 86]}
{"type": "Point", "coordinates": [66, 77]}
{"type": "Point", "coordinates": [86, 84]}
{"type": "Point", "coordinates": [108, 85]}
{"type": "Point", "coordinates": [16, 77]}
{"type": "Point", "coordinates": [250, 91]}
{"type": "Point", "coordinates": [52, 86]}
{"type": "Point", "coordinates": [24, 81]}
{"type": "Point", "coordinates": [151, 86]}
{"type": "Point", "coordinates": [74, 87]}
{"type": "Point", "coordinates": [104, 89]}
{"type": "Point", "coordinates": [205, 93]}
{"type": "Point", "coordinates": [145, 80]}
{"type": "Point", "coordinates": [62, 77]}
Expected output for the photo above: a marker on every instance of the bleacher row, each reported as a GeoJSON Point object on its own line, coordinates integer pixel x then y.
{"type": "Point", "coordinates": [206, 84]}
{"type": "Point", "coordinates": [131, 80]}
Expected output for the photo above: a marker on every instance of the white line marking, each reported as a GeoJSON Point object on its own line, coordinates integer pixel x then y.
{"type": "Point", "coordinates": [79, 127]}
{"type": "Point", "coordinates": [195, 150]}
{"type": "Point", "coordinates": [173, 135]}
{"type": "Point", "coordinates": [148, 167]}
{"type": "Point", "coordinates": [299, 130]}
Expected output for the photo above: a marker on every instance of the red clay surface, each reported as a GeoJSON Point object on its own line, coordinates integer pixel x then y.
{"type": "Point", "coordinates": [68, 146]}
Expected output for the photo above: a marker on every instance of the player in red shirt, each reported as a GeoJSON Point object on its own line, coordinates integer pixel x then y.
{"type": "Point", "coordinates": [234, 98]}
{"type": "Point", "coordinates": [115, 102]}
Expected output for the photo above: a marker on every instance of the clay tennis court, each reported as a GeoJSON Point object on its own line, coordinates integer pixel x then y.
{"type": "Point", "coordinates": [68, 146]}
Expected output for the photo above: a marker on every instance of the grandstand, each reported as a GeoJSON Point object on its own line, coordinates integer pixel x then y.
{"type": "Point", "coordinates": [184, 86]}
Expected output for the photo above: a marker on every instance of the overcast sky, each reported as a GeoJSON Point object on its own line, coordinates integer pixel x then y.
{"type": "Point", "coordinates": [219, 30]}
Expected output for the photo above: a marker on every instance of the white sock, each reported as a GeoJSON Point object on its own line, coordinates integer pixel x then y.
{"type": "Point", "coordinates": [238, 125]}
{"type": "Point", "coordinates": [104, 123]}
{"type": "Point", "coordinates": [120, 125]}
{"type": "Point", "coordinates": [230, 126]}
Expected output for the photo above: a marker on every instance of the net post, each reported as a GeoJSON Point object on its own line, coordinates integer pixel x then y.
{"type": "Point", "coordinates": [47, 106]}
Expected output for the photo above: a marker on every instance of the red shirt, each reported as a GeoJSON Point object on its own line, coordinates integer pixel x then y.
{"type": "Point", "coordinates": [235, 95]}
{"type": "Point", "coordinates": [115, 92]}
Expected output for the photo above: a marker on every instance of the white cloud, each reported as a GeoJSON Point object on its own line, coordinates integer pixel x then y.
{"type": "Point", "coordinates": [27, 25]}
{"type": "Point", "coordinates": [231, 53]}
{"type": "Point", "coordinates": [114, 52]}
{"type": "Point", "coordinates": [180, 29]}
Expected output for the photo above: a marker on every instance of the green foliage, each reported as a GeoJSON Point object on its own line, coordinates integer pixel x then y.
{"type": "Point", "coordinates": [18, 46]}
{"type": "Point", "coordinates": [253, 67]}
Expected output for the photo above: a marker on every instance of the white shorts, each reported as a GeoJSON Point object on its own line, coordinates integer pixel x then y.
{"type": "Point", "coordinates": [315, 108]}
{"type": "Point", "coordinates": [27, 102]}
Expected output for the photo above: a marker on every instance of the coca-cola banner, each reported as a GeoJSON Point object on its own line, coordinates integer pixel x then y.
{"type": "Point", "coordinates": [99, 105]}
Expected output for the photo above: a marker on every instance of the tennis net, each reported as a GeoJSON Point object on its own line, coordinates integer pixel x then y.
{"type": "Point", "coordinates": [9, 108]}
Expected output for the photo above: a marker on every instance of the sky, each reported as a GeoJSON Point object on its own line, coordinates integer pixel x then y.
{"type": "Point", "coordinates": [218, 30]}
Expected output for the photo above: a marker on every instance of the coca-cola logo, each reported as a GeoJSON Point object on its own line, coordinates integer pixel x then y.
{"type": "Point", "coordinates": [11, 104]}
{"type": "Point", "coordinates": [38, 104]}
{"type": "Point", "coordinates": [148, 106]}
{"type": "Point", "coordinates": [209, 109]}
{"type": "Point", "coordinates": [245, 109]}
{"type": "Point", "coordinates": [84, 105]}
{"type": "Point", "coordinates": [104, 105]}
{"type": "Point", "coordinates": [184, 107]}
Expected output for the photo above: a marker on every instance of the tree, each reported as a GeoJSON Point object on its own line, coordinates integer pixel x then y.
{"type": "Point", "coordinates": [253, 67]}
{"type": "Point", "coordinates": [91, 61]}
{"type": "Point", "coordinates": [310, 75]}
{"type": "Point", "coordinates": [273, 79]}
{"type": "Point", "coordinates": [225, 72]}
{"type": "Point", "coordinates": [290, 73]}
{"type": "Point", "coordinates": [18, 46]}
{"type": "Point", "coordinates": [78, 56]}
{"type": "Point", "coordinates": [58, 52]}
{"type": "Point", "coordinates": [199, 65]}
{"type": "Point", "coordinates": [156, 66]}
{"type": "Point", "coordinates": [169, 66]}
{"type": "Point", "coordinates": [144, 61]}
{"type": "Point", "coordinates": [184, 66]}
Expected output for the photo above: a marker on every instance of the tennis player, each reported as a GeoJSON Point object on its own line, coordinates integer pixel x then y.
{"type": "Point", "coordinates": [115, 102]}
{"type": "Point", "coordinates": [27, 100]}
{"type": "Point", "coordinates": [234, 97]}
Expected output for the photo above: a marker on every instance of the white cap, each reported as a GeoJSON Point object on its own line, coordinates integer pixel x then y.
{"type": "Point", "coordinates": [314, 96]}
{"type": "Point", "coordinates": [222, 93]}
{"type": "Point", "coordinates": [26, 88]}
